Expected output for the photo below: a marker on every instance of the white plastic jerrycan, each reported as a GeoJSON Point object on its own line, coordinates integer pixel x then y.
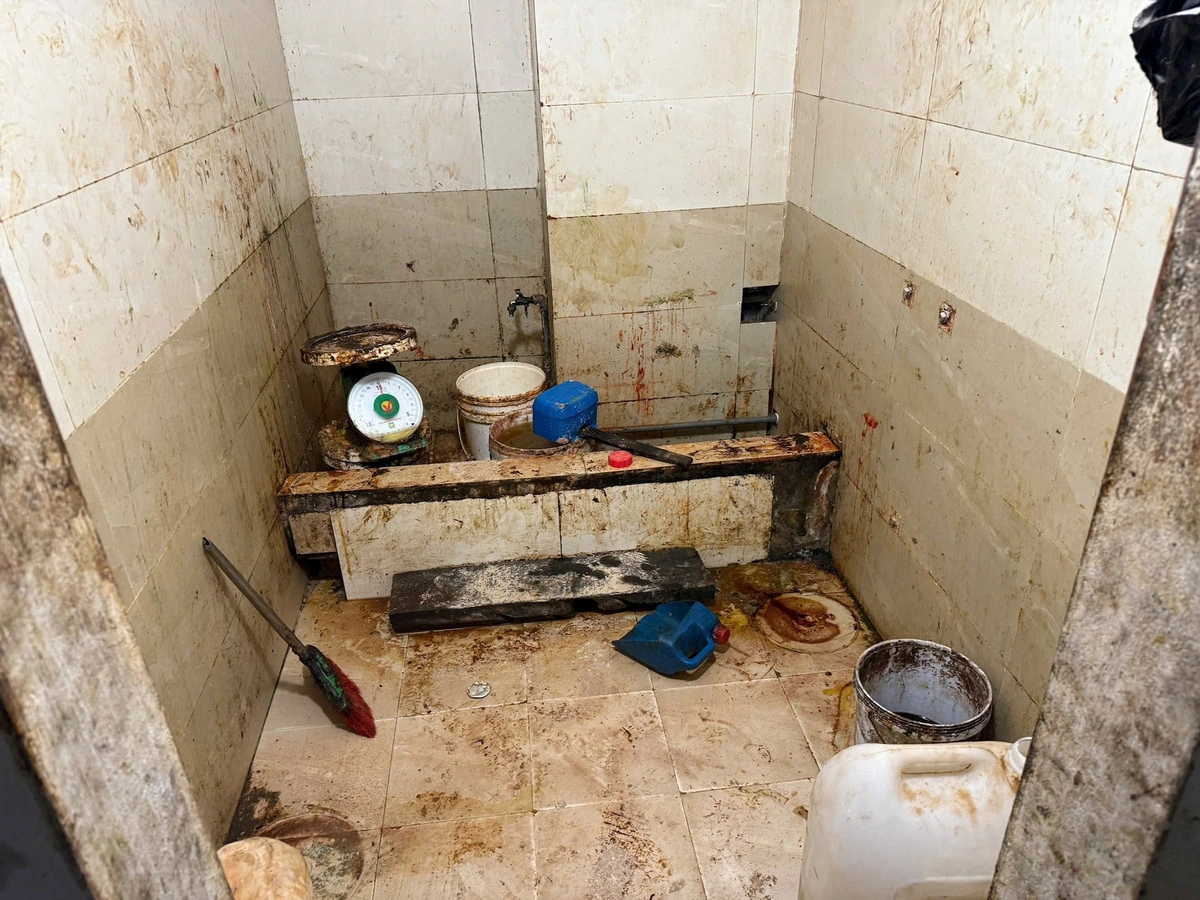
{"type": "Point", "coordinates": [910, 822]}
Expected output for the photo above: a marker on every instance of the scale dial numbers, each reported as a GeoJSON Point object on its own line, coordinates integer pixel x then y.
{"type": "Point", "coordinates": [385, 407]}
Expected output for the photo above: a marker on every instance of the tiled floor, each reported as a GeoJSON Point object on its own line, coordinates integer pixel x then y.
{"type": "Point", "coordinates": [582, 774]}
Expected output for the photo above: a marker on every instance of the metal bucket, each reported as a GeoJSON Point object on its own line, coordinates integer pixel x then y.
{"type": "Point", "coordinates": [919, 692]}
{"type": "Point", "coordinates": [508, 434]}
{"type": "Point", "coordinates": [488, 393]}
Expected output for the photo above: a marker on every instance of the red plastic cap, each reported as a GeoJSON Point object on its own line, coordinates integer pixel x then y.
{"type": "Point", "coordinates": [620, 459]}
{"type": "Point", "coordinates": [721, 634]}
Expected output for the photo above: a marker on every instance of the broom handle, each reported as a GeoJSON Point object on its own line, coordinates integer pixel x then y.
{"type": "Point", "coordinates": [254, 597]}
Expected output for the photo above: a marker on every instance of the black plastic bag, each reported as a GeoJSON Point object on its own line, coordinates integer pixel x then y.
{"type": "Point", "coordinates": [1166, 38]}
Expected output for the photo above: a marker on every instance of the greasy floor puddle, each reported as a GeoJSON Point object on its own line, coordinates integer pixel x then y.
{"type": "Point", "coordinates": [582, 774]}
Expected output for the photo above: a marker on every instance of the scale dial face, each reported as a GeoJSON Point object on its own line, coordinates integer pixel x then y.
{"type": "Point", "coordinates": [385, 407]}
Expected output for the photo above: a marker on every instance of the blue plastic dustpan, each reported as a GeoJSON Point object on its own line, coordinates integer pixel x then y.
{"type": "Point", "coordinates": [676, 637]}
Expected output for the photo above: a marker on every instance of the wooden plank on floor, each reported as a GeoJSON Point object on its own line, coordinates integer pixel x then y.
{"type": "Point", "coordinates": [531, 589]}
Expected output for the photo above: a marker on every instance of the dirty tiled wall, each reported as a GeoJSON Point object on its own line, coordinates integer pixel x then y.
{"type": "Point", "coordinates": [978, 205]}
{"type": "Point", "coordinates": [160, 247]}
{"type": "Point", "coordinates": [418, 123]}
{"type": "Point", "coordinates": [665, 132]}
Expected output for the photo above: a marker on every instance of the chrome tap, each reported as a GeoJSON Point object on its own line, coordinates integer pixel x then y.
{"type": "Point", "coordinates": [543, 305]}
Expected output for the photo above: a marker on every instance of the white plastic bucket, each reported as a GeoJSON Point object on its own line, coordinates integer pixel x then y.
{"type": "Point", "coordinates": [488, 393]}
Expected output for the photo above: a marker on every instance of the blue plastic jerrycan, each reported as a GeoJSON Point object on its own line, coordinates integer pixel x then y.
{"type": "Point", "coordinates": [676, 637]}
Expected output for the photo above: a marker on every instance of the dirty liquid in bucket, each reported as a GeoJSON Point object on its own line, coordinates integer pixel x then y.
{"type": "Point", "coordinates": [522, 437]}
{"type": "Point", "coordinates": [917, 717]}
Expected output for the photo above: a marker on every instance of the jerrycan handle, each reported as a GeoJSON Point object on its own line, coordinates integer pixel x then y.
{"type": "Point", "coordinates": [706, 646]}
{"type": "Point", "coordinates": [943, 759]}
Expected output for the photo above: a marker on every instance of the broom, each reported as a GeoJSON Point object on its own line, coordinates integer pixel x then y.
{"type": "Point", "coordinates": [342, 693]}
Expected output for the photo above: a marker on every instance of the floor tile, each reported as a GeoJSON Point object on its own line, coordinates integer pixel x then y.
{"type": "Point", "coordinates": [733, 734]}
{"type": "Point", "coordinates": [630, 848]}
{"type": "Point", "coordinates": [575, 658]}
{"type": "Point", "coordinates": [325, 769]}
{"type": "Point", "coordinates": [824, 704]}
{"type": "Point", "coordinates": [744, 658]}
{"type": "Point", "coordinates": [462, 764]}
{"type": "Point", "coordinates": [479, 859]}
{"type": "Point", "coordinates": [341, 861]}
{"type": "Point", "coordinates": [441, 665]}
{"type": "Point", "coordinates": [598, 748]}
{"type": "Point", "coordinates": [749, 840]}
{"type": "Point", "coordinates": [356, 635]}
{"type": "Point", "coordinates": [761, 583]}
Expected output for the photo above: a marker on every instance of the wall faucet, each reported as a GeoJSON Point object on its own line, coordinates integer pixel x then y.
{"type": "Point", "coordinates": [543, 305]}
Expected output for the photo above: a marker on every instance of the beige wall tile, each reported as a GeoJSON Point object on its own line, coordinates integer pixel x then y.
{"type": "Point", "coordinates": [1043, 610]}
{"type": "Point", "coordinates": [376, 237]}
{"type": "Point", "coordinates": [1034, 261]}
{"type": "Point", "coordinates": [46, 110]}
{"type": "Point", "coordinates": [624, 517]}
{"type": "Point", "coordinates": [664, 410]}
{"type": "Point", "coordinates": [803, 150]}
{"type": "Point", "coordinates": [312, 533]}
{"type": "Point", "coordinates": [357, 49]}
{"type": "Point", "coordinates": [380, 145]}
{"type": "Point", "coordinates": [1016, 71]}
{"type": "Point", "coordinates": [865, 173]}
{"type": "Point", "coordinates": [510, 139]}
{"type": "Point", "coordinates": [520, 333]}
{"type": "Point", "coordinates": [764, 244]}
{"type": "Point", "coordinates": [277, 177]}
{"type": "Point", "coordinates": [250, 29]}
{"type": "Point", "coordinates": [667, 51]}
{"type": "Point", "coordinates": [1132, 275]}
{"type": "Point", "coordinates": [729, 519]}
{"type": "Point", "coordinates": [610, 158]}
{"type": "Point", "coordinates": [500, 32]}
{"type": "Point", "coordinates": [375, 542]}
{"type": "Point", "coordinates": [647, 261]}
{"type": "Point", "coordinates": [518, 233]}
{"type": "Point", "coordinates": [651, 354]}
{"type": "Point", "coordinates": [453, 318]}
{"type": "Point", "coordinates": [775, 46]}
{"type": "Point", "coordinates": [810, 44]}
{"type": "Point", "coordinates": [881, 56]}
{"type": "Point", "coordinates": [306, 253]}
{"type": "Point", "coordinates": [770, 150]}
{"type": "Point", "coordinates": [753, 403]}
{"type": "Point", "coordinates": [756, 353]}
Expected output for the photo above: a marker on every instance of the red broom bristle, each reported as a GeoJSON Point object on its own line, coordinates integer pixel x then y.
{"type": "Point", "coordinates": [358, 713]}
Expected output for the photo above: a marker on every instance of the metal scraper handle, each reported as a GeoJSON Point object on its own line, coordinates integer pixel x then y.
{"type": "Point", "coordinates": [647, 450]}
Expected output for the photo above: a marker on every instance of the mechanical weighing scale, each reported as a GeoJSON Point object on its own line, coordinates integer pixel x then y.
{"type": "Point", "coordinates": [385, 423]}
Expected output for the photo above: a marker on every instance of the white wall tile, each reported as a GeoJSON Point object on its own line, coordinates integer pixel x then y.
{"type": "Point", "coordinates": [637, 157]}
{"type": "Point", "coordinates": [644, 261]}
{"type": "Point", "coordinates": [500, 32]}
{"type": "Point", "coordinates": [803, 149]}
{"type": "Point", "coordinates": [1029, 251]}
{"type": "Point", "coordinates": [810, 46]}
{"type": "Point", "coordinates": [865, 173]}
{"type": "Point", "coordinates": [392, 144]}
{"type": "Point", "coordinates": [33, 336]}
{"type": "Point", "coordinates": [71, 97]}
{"type": "Point", "coordinates": [1059, 74]}
{"type": "Point", "coordinates": [1137, 254]}
{"type": "Point", "coordinates": [756, 356]}
{"type": "Point", "coordinates": [764, 244]}
{"type": "Point", "coordinates": [1155, 152]}
{"type": "Point", "coordinates": [775, 48]}
{"type": "Point", "coordinates": [631, 50]}
{"type": "Point", "coordinates": [510, 139]}
{"type": "Point", "coordinates": [770, 150]}
{"type": "Point", "coordinates": [126, 260]}
{"type": "Point", "coordinates": [276, 167]}
{"type": "Point", "coordinates": [258, 72]}
{"type": "Point", "coordinates": [880, 54]}
{"type": "Point", "coordinates": [361, 48]}
{"type": "Point", "coordinates": [183, 68]}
